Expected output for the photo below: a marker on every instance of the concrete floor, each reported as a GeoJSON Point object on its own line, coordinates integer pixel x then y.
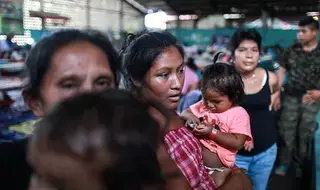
{"type": "Point", "coordinates": [284, 183]}
{"type": "Point", "coordinates": [290, 182]}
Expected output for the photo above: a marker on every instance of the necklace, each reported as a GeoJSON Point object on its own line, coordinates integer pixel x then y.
{"type": "Point", "coordinates": [251, 79]}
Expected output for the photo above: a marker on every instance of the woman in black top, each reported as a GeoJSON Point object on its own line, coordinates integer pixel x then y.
{"type": "Point", "coordinates": [258, 157]}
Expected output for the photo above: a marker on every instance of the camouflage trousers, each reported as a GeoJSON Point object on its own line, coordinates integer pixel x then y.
{"type": "Point", "coordinates": [297, 125]}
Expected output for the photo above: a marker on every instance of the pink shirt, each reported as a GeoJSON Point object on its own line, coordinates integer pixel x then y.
{"type": "Point", "coordinates": [234, 120]}
{"type": "Point", "coordinates": [190, 78]}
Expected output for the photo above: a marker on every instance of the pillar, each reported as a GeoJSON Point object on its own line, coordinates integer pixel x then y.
{"type": "Point", "coordinates": [88, 15]}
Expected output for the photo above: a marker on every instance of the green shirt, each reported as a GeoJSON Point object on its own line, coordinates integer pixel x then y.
{"type": "Point", "coordinates": [303, 69]}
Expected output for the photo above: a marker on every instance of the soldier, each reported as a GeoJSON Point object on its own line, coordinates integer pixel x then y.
{"type": "Point", "coordinates": [300, 101]}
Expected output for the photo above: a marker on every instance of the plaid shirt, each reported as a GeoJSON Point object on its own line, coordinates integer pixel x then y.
{"type": "Point", "coordinates": [185, 150]}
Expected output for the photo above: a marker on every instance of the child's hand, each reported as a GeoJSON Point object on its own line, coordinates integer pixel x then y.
{"type": "Point", "coordinates": [248, 146]}
{"type": "Point", "coordinates": [203, 129]}
{"type": "Point", "coordinates": [193, 120]}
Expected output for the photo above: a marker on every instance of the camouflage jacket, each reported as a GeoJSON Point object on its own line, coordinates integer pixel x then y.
{"type": "Point", "coordinates": [303, 69]}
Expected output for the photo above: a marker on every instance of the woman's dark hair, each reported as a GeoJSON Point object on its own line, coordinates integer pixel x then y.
{"type": "Point", "coordinates": [126, 132]}
{"type": "Point", "coordinates": [140, 51]}
{"type": "Point", "coordinates": [39, 59]}
{"type": "Point", "coordinates": [245, 34]}
{"type": "Point", "coordinates": [224, 79]}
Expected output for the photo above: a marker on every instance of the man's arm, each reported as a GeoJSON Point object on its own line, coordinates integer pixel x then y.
{"type": "Point", "coordinates": [281, 74]}
{"type": "Point", "coordinates": [284, 64]}
{"type": "Point", "coordinates": [275, 91]}
{"type": "Point", "coordinates": [311, 96]}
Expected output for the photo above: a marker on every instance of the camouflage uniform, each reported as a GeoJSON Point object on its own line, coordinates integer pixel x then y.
{"type": "Point", "coordinates": [297, 122]}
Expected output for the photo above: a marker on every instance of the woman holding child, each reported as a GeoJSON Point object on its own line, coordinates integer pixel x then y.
{"type": "Point", "coordinates": [153, 69]}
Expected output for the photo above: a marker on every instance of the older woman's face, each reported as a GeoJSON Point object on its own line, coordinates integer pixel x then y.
{"type": "Point", "coordinates": [247, 56]}
{"type": "Point", "coordinates": [164, 81]}
{"type": "Point", "coordinates": [75, 68]}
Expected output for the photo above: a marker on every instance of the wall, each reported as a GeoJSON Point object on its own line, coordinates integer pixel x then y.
{"type": "Point", "coordinates": [104, 16]}
{"type": "Point", "coordinates": [209, 22]}
{"type": "Point", "coordinates": [212, 21]}
{"type": "Point", "coordinates": [204, 37]}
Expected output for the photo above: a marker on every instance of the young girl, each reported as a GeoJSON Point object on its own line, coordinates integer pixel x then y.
{"type": "Point", "coordinates": [221, 125]}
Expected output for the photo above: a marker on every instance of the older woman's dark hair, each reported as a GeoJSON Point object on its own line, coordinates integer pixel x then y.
{"type": "Point", "coordinates": [139, 53]}
{"type": "Point", "coordinates": [223, 78]}
{"type": "Point", "coordinates": [245, 34]}
{"type": "Point", "coordinates": [39, 59]}
{"type": "Point", "coordinates": [112, 122]}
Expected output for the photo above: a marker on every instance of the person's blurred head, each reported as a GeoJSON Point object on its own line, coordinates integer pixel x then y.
{"type": "Point", "coordinates": [98, 141]}
{"type": "Point", "coordinates": [199, 52]}
{"type": "Point", "coordinates": [68, 63]}
{"type": "Point", "coordinates": [308, 30]}
{"type": "Point", "coordinates": [10, 37]}
{"type": "Point", "coordinates": [246, 47]}
{"type": "Point", "coordinates": [153, 66]}
{"type": "Point", "coordinates": [191, 64]}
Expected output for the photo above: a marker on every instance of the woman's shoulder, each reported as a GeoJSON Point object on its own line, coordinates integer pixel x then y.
{"type": "Point", "coordinates": [273, 79]}
{"type": "Point", "coordinates": [260, 71]}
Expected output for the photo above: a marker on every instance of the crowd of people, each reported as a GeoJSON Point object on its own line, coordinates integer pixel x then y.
{"type": "Point", "coordinates": [11, 51]}
{"type": "Point", "coordinates": [132, 120]}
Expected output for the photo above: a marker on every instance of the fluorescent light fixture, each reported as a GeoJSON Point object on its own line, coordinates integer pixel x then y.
{"type": "Point", "coordinates": [313, 13]}
{"type": "Point", "coordinates": [188, 17]}
{"type": "Point", "coordinates": [233, 16]}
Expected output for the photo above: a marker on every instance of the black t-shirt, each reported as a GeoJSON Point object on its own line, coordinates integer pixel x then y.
{"type": "Point", "coordinates": [262, 120]}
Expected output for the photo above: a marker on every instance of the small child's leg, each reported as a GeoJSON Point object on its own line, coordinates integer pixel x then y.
{"type": "Point", "coordinates": [220, 177]}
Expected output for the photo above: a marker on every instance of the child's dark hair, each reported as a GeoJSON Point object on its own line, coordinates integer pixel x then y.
{"type": "Point", "coordinates": [223, 78]}
{"type": "Point", "coordinates": [126, 132]}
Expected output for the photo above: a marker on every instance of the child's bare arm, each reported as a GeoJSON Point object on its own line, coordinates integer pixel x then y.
{"type": "Point", "coordinates": [227, 140]}
{"type": "Point", "coordinates": [230, 140]}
